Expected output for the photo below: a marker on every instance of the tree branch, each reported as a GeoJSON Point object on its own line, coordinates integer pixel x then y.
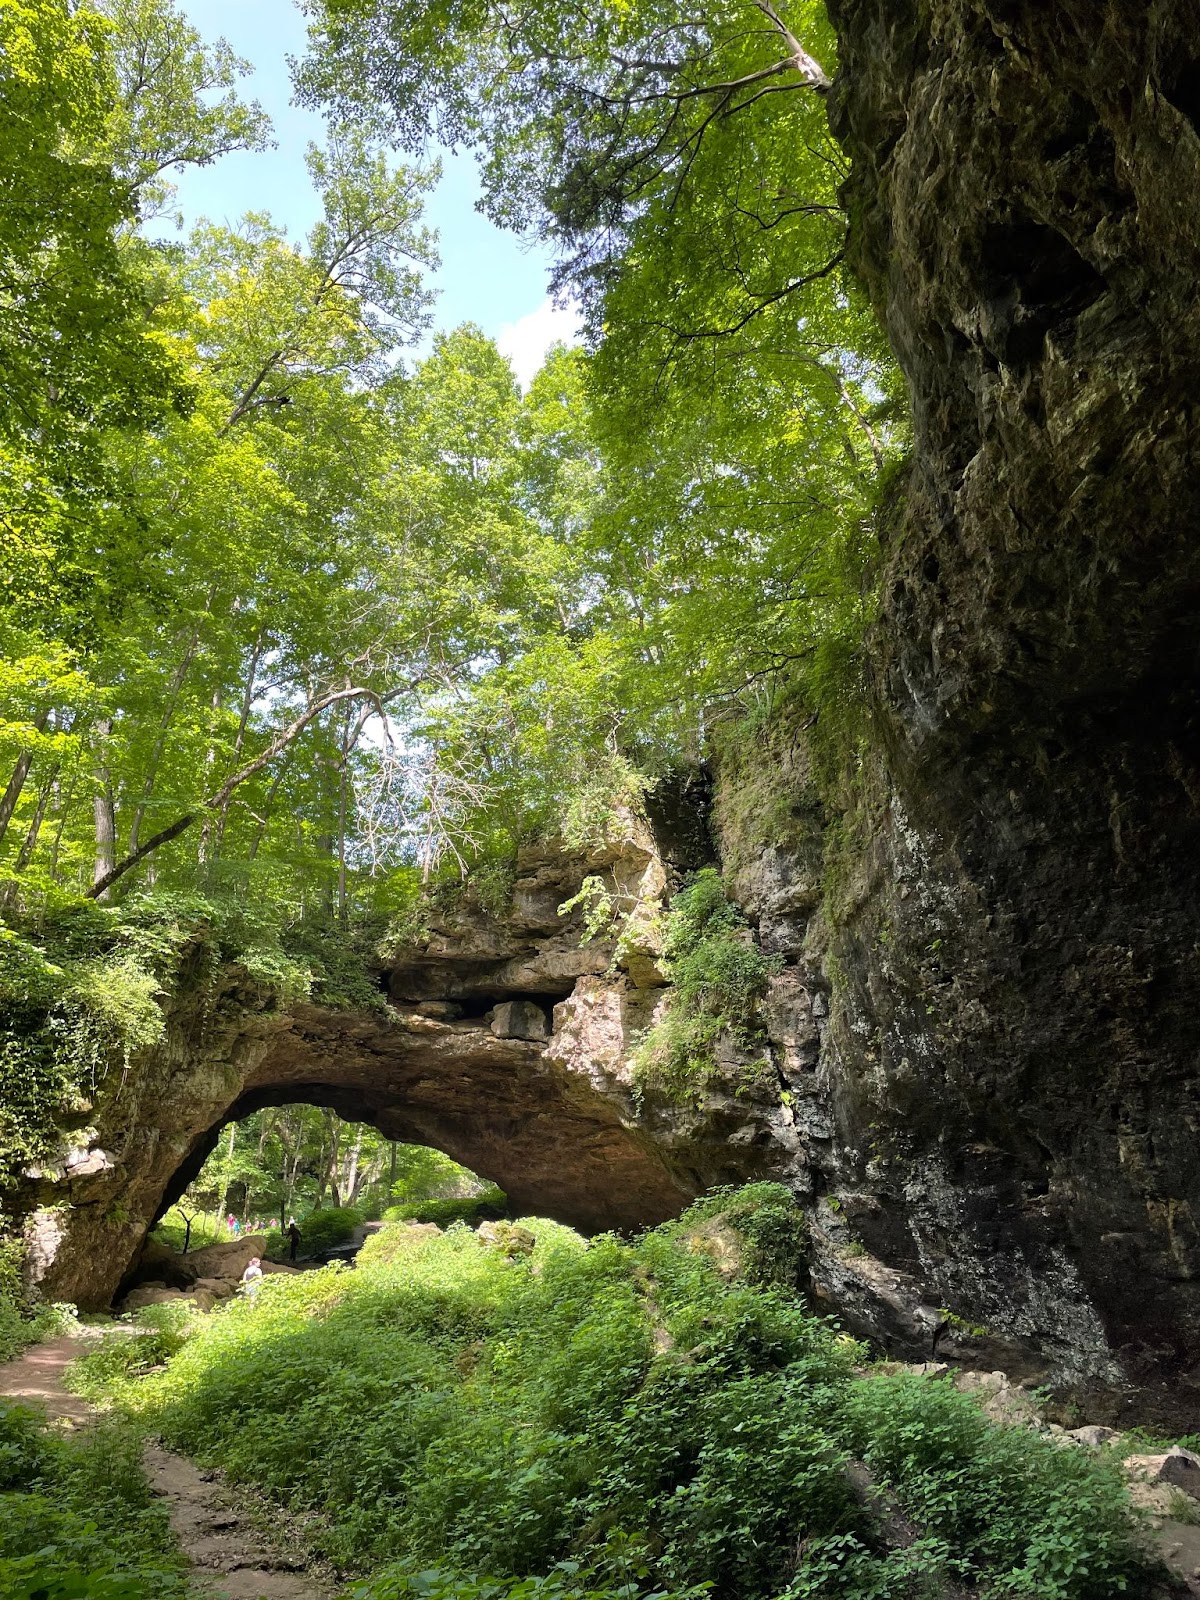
{"type": "Point", "coordinates": [216, 801]}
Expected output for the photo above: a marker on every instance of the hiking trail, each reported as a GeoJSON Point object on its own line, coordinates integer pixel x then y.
{"type": "Point", "coordinates": [231, 1559]}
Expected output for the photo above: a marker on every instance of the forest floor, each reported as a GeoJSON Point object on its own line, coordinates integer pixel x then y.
{"type": "Point", "coordinates": [231, 1556]}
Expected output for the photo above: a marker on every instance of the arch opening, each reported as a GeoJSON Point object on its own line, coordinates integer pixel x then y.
{"type": "Point", "coordinates": [276, 1163]}
{"type": "Point", "coordinates": [302, 1164]}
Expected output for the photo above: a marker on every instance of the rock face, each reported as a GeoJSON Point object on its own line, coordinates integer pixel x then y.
{"type": "Point", "coordinates": [1014, 1034]}
{"type": "Point", "coordinates": [459, 1060]}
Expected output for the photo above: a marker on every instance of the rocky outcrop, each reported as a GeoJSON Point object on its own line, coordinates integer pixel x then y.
{"type": "Point", "coordinates": [460, 1059]}
{"type": "Point", "coordinates": [1012, 1041]}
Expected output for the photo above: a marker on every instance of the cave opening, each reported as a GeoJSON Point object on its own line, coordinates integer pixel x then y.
{"type": "Point", "coordinates": [313, 1158]}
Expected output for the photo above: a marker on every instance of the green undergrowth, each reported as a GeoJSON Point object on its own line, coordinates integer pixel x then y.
{"type": "Point", "coordinates": [142, 1343]}
{"type": "Point", "coordinates": [718, 976]}
{"type": "Point", "coordinates": [609, 1418]}
{"type": "Point", "coordinates": [445, 1211]}
{"type": "Point", "coordinates": [77, 1519]}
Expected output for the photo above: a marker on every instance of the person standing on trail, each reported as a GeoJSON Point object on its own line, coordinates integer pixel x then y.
{"type": "Point", "coordinates": [252, 1276]}
{"type": "Point", "coordinates": [293, 1238]}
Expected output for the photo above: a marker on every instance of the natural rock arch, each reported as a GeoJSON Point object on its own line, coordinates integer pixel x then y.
{"type": "Point", "coordinates": [505, 1044]}
{"type": "Point", "coordinates": [506, 1107]}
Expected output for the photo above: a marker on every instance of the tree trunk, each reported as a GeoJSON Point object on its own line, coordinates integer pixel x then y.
{"type": "Point", "coordinates": [350, 1186]}
{"type": "Point", "coordinates": [64, 813]}
{"type": "Point", "coordinates": [265, 820]}
{"type": "Point", "coordinates": [12, 793]}
{"type": "Point", "coordinates": [343, 814]}
{"type": "Point", "coordinates": [104, 813]}
{"type": "Point", "coordinates": [8, 893]}
{"type": "Point", "coordinates": [331, 1170]}
{"type": "Point", "coordinates": [29, 843]}
{"type": "Point", "coordinates": [204, 845]}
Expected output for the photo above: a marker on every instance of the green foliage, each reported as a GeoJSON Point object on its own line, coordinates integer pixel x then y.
{"type": "Point", "coordinates": [156, 1334]}
{"type": "Point", "coordinates": [628, 1410]}
{"type": "Point", "coordinates": [172, 1228]}
{"type": "Point", "coordinates": [82, 989]}
{"type": "Point", "coordinates": [741, 403]}
{"type": "Point", "coordinates": [447, 1211]}
{"type": "Point", "coordinates": [77, 1520]}
{"type": "Point", "coordinates": [769, 1223]}
{"type": "Point", "coordinates": [1039, 1521]}
{"type": "Point", "coordinates": [330, 1225]}
{"type": "Point", "coordinates": [342, 962]}
{"type": "Point", "coordinates": [169, 115]}
{"type": "Point", "coordinates": [718, 977]}
{"type": "Point", "coordinates": [614, 1577]}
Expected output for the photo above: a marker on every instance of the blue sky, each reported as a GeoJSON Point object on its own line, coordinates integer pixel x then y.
{"type": "Point", "coordinates": [487, 276]}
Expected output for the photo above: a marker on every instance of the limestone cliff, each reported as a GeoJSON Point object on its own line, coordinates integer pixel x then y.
{"type": "Point", "coordinates": [1013, 1046]}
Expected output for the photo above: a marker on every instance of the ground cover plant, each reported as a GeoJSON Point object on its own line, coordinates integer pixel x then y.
{"type": "Point", "coordinates": [644, 1413]}
{"type": "Point", "coordinates": [77, 1520]}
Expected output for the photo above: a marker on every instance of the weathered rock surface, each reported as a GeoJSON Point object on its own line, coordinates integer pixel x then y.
{"type": "Point", "coordinates": [519, 1019]}
{"type": "Point", "coordinates": [1177, 1468]}
{"type": "Point", "coordinates": [1012, 1043]}
{"type": "Point", "coordinates": [220, 1262]}
{"type": "Point", "coordinates": [475, 1075]}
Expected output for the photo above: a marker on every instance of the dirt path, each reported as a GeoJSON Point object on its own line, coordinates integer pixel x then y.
{"type": "Point", "coordinates": [232, 1561]}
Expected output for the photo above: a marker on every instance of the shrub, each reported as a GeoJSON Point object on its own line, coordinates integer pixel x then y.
{"type": "Point", "coordinates": [718, 976]}
{"type": "Point", "coordinates": [769, 1224]}
{"type": "Point", "coordinates": [77, 1519]}
{"type": "Point", "coordinates": [330, 1225]}
{"type": "Point", "coordinates": [444, 1212]}
{"type": "Point", "coordinates": [158, 1333]}
{"type": "Point", "coordinates": [449, 1412]}
{"type": "Point", "coordinates": [1040, 1521]}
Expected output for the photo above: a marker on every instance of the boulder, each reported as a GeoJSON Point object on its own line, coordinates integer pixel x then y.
{"type": "Point", "coordinates": [150, 1294]}
{"type": "Point", "coordinates": [1175, 1468]}
{"type": "Point", "coordinates": [519, 1019]}
{"type": "Point", "coordinates": [86, 1163]}
{"type": "Point", "coordinates": [203, 1299]}
{"type": "Point", "coordinates": [223, 1260]}
{"type": "Point", "coordinates": [1093, 1436]}
{"type": "Point", "coordinates": [999, 1398]}
{"type": "Point", "coordinates": [507, 1237]}
{"type": "Point", "coordinates": [220, 1288]}
{"type": "Point", "coordinates": [717, 1239]}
